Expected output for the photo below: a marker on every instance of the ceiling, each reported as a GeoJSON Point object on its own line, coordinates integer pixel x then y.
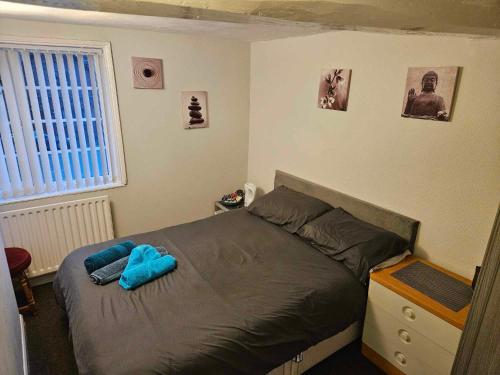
{"type": "Point", "coordinates": [264, 20]}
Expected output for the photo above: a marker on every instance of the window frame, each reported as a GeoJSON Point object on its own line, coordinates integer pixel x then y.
{"type": "Point", "coordinates": [110, 101]}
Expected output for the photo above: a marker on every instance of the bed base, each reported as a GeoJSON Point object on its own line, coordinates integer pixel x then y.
{"type": "Point", "coordinates": [315, 354]}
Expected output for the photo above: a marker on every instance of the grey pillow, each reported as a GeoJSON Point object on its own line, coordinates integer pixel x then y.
{"type": "Point", "coordinates": [356, 243]}
{"type": "Point", "coordinates": [288, 208]}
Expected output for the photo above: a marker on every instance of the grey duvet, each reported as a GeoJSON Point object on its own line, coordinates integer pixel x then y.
{"type": "Point", "coordinates": [246, 297]}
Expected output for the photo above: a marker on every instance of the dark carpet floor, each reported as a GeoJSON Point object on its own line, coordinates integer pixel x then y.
{"type": "Point", "coordinates": [50, 351]}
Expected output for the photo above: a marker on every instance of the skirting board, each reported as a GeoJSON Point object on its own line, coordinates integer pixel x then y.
{"type": "Point", "coordinates": [43, 279]}
{"type": "Point", "coordinates": [319, 352]}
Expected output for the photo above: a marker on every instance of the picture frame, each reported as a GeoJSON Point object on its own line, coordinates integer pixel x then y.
{"type": "Point", "coordinates": [333, 92]}
{"type": "Point", "coordinates": [429, 93]}
{"type": "Point", "coordinates": [195, 109]}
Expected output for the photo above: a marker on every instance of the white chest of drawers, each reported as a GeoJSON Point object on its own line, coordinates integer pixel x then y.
{"type": "Point", "coordinates": [406, 332]}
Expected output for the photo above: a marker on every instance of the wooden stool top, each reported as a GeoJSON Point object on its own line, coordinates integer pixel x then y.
{"type": "Point", "coordinates": [18, 259]}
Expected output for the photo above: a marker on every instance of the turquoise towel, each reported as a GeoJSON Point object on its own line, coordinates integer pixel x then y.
{"type": "Point", "coordinates": [145, 264]}
{"type": "Point", "coordinates": [114, 270]}
{"type": "Point", "coordinates": [107, 256]}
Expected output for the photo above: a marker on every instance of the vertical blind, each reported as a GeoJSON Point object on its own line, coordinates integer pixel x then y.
{"type": "Point", "coordinates": [53, 128]}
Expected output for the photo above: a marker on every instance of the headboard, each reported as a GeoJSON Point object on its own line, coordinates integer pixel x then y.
{"type": "Point", "coordinates": [381, 217]}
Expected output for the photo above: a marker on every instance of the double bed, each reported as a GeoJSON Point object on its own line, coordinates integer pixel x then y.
{"type": "Point", "coordinates": [246, 298]}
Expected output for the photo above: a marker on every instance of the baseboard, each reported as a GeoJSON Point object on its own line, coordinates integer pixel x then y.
{"type": "Point", "coordinates": [43, 279]}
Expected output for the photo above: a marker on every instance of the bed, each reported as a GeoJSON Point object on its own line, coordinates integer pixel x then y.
{"type": "Point", "coordinates": [247, 298]}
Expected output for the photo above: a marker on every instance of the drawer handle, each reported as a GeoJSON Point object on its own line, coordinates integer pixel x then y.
{"type": "Point", "coordinates": [404, 336]}
{"type": "Point", "coordinates": [409, 313]}
{"type": "Point", "coordinates": [400, 358]}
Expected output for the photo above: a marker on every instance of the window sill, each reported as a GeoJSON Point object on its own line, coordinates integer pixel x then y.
{"type": "Point", "coordinates": [60, 194]}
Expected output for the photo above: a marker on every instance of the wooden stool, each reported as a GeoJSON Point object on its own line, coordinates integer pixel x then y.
{"type": "Point", "coordinates": [19, 260]}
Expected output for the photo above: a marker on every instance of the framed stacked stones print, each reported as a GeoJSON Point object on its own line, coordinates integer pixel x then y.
{"type": "Point", "coordinates": [333, 90]}
{"type": "Point", "coordinates": [429, 93]}
{"type": "Point", "coordinates": [194, 109]}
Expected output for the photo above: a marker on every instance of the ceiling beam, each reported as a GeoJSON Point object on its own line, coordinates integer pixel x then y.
{"type": "Point", "coordinates": [472, 17]}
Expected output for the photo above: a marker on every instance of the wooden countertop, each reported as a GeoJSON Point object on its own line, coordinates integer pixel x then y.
{"type": "Point", "coordinates": [385, 278]}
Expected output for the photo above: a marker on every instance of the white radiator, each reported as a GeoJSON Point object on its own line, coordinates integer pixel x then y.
{"type": "Point", "coordinates": [51, 232]}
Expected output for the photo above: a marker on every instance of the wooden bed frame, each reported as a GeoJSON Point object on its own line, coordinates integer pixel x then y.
{"type": "Point", "coordinates": [389, 220]}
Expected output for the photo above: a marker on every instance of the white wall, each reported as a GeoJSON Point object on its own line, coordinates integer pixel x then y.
{"type": "Point", "coordinates": [447, 175]}
{"type": "Point", "coordinates": [174, 175]}
{"type": "Point", "coordinates": [11, 353]}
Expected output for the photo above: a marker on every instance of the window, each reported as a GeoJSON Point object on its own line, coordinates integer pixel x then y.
{"type": "Point", "coordinates": [59, 124]}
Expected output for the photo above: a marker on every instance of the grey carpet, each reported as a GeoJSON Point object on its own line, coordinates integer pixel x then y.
{"type": "Point", "coordinates": [49, 348]}
{"type": "Point", "coordinates": [50, 351]}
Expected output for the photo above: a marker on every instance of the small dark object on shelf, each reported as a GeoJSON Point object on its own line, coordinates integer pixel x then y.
{"type": "Point", "coordinates": [228, 204]}
{"type": "Point", "coordinates": [234, 199]}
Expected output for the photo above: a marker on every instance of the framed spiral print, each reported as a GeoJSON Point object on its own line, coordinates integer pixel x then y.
{"type": "Point", "coordinates": [147, 73]}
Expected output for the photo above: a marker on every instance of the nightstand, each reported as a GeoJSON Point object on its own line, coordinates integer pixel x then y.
{"type": "Point", "coordinates": [405, 330]}
{"type": "Point", "coordinates": [219, 208]}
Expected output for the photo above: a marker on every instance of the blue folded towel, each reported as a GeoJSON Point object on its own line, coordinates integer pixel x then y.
{"type": "Point", "coordinates": [145, 264]}
{"type": "Point", "coordinates": [107, 256]}
{"type": "Point", "coordinates": [112, 271]}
